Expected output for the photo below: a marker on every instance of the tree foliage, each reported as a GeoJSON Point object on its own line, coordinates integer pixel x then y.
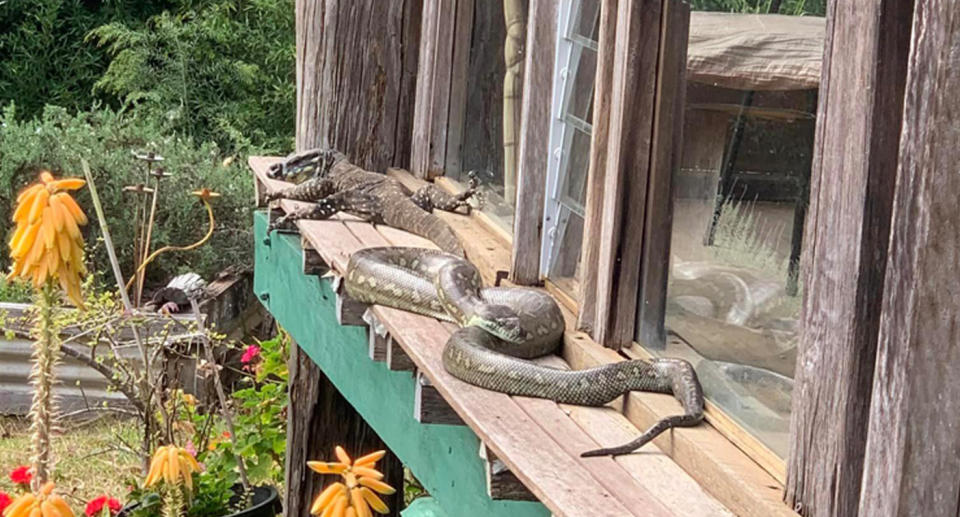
{"type": "Point", "coordinates": [220, 71]}
{"type": "Point", "coordinates": [43, 57]}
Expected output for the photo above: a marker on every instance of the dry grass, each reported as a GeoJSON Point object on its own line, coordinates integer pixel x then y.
{"type": "Point", "coordinates": [89, 462]}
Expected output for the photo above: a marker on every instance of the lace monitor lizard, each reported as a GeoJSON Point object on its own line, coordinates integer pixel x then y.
{"type": "Point", "coordinates": [332, 184]}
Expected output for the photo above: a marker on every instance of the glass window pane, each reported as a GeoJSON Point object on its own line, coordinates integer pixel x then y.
{"type": "Point", "coordinates": [739, 202]}
{"type": "Point", "coordinates": [487, 136]}
{"type": "Point", "coordinates": [565, 203]}
{"type": "Point", "coordinates": [585, 28]}
{"type": "Point", "coordinates": [578, 105]}
{"type": "Point", "coordinates": [565, 266]}
{"type": "Point", "coordinates": [576, 164]}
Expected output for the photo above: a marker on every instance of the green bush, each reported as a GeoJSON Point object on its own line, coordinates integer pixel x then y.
{"type": "Point", "coordinates": [43, 57]}
{"type": "Point", "coordinates": [217, 70]}
{"type": "Point", "coordinates": [57, 140]}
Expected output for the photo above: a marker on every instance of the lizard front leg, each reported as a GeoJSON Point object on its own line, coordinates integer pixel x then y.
{"type": "Point", "coordinates": [429, 197]}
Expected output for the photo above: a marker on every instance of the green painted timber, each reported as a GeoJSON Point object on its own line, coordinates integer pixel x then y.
{"type": "Point", "coordinates": [444, 458]}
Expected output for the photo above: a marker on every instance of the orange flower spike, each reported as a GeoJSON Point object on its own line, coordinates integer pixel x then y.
{"type": "Point", "coordinates": [370, 459]}
{"type": "Point", "coordinates": [355, 495]}
{"type": "Point", "coordinates": [342, 455]}
{"type": "Point", "coordinates": [67, 184]}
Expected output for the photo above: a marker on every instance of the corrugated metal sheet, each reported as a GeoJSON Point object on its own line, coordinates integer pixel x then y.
{"type": "Point", "coordinates": [76, 380]}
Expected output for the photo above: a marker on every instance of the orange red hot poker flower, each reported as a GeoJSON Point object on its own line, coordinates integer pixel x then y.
{"type": "Point", "coordinates": [42, 504]}
{"type": "Point", "coordinates": [47, 244]}
{"type": "Point", "coordinates": [354, 496]}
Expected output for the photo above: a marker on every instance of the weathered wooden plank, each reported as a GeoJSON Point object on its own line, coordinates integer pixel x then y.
{"type": "Point", "coordinates": [501, 483]}
{"type": "Point", "coordinates": [533, 154]}
{"type": "Point", "coordinates": [357, 98]}
{"type": "Point", "coordinates": [604, 427]}
{"type": "Point", "coordinates": [665, 158]}
{"type": "Point", "coordinates": [349, 311]}
{"type": "Point", "coordinates": [313, 263]}
{"type": "Point", "coordinates": [460, 81]}
{"type": "Point", "coordinates": [632, 106]}
{"type": "Point", "coordinates": [599, 140]}
{"type": "Point", "coordinates": [429, 406]}
{"type": "Point", "coordinates": [509, 432]}
{"type": "Point", "coordinates": [913, 444]}
{"type": "Point", "coordinates": [397, 358]}
{"type": "Point", "coordinates": [432, 103]}
{"type": "Point", "coordinates": [712, 460]}
{"type": "Point", "coordinates": [378, 339]}
{"type": "Point", "coordinates": [852, 182]}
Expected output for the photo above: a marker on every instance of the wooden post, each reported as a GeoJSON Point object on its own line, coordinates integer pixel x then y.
{"type": "Point", "coordinates": [914, 442]}
{"type": "Point", "coordinates": [533, 155]}
{"type": "Point", "coordinates": [852, 180]}
{"type": "Point", "coordinates": [625, 178]}
{"type": "Point", "coordinates": [432, 103]}
{"type": "Point", "coordinates": [589, 251]}
{"type": "Point", "coordinates": [665, 158]}
{"type": "Point", "coordinates": [319, 419]}
{"type": "Point", "coordinates": [357, 98]}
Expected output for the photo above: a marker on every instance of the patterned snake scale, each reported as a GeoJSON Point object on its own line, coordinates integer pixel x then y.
{"type": "Point", "coordinates": [502, 328]}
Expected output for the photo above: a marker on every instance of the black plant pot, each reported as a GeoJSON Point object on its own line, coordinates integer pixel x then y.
{"type": "Point", "coordinates": [266, 503]}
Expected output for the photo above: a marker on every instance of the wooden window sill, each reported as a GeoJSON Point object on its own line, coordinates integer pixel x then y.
{"type": "Point", "coordinates": [707, 457]}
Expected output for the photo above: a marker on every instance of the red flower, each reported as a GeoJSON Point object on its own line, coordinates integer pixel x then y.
{"type": "Point", "coordinates": [95, 506]}
{"type": "Point", "coordinates": [21, 475]}
{"type": "Point", "coordinates": [5, 501]}
{"type": "Point", "coordinates": [250, 354]}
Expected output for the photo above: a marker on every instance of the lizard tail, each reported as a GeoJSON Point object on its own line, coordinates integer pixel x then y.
{"type": "Point", "coordinates": [414, 220]}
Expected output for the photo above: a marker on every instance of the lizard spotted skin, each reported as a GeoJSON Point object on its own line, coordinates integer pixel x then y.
{"type": "Point", "coordinates": [333, 185]}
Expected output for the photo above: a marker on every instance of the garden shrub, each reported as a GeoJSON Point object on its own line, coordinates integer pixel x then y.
{"type": "Point", "coordinates": [106, 138]}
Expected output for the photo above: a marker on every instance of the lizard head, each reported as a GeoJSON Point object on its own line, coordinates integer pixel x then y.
{"type": "Point", "coordinates": [305, 165]}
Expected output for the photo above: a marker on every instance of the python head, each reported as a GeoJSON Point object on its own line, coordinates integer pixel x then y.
{"type": "Point", "coordinates": [499, 320]}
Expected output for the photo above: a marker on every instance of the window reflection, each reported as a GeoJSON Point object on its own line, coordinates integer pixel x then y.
{"type": "Point", "coordinates": [484, 126]}
{"type": "Point", "coordinates": [739, 202]}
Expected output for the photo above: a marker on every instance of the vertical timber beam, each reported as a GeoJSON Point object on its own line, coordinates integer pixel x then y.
{"type": "Point", "coordinates": [852, 185]}
{"type": "Point", "coordinates": [318, 419]}
{"type": "Point", "coordinates": [434, 76]}
{"type": "Point", "coordinates": [914, 434]}
{"type": "Point", "coordinates": [627, 169]}
{"type": "Point", "coordinates": [589, 251]}
{"type": "Point", "coordinates": [534, 153]}
{"type": "Point", "coordinates": [665, 157]}
{"type": "Point", "coordinates": [309, 26]}
{"type": "Point", "coordinates": [357, 98]}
